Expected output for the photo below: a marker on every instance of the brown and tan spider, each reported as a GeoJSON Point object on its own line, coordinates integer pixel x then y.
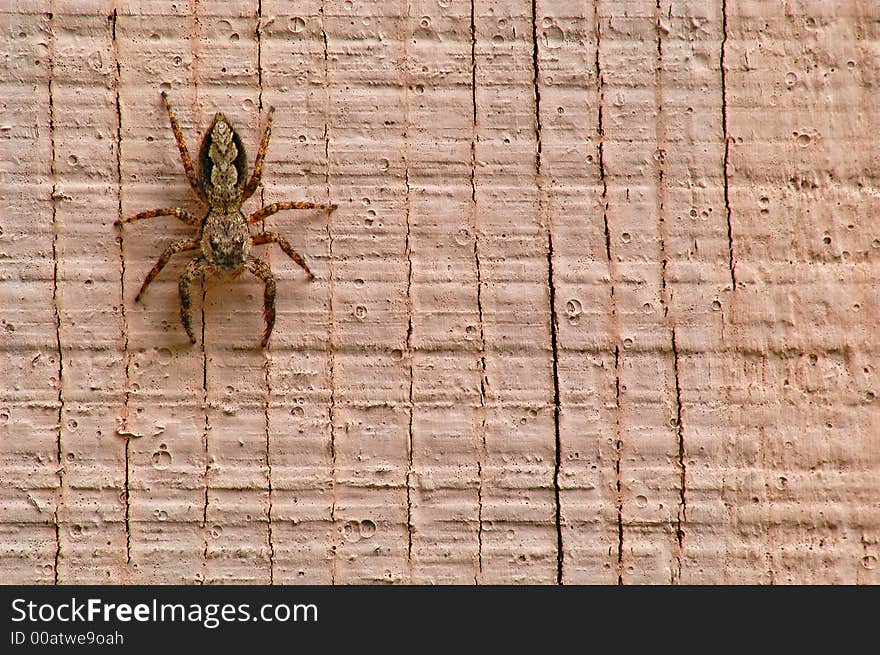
{"type": "Point", "coordinates": [223, 235]}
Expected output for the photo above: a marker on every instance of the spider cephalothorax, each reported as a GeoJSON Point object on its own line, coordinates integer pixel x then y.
{"type": "Point", "coordinates": [223, 236]}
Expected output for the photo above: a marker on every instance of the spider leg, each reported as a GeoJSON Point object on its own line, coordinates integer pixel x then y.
{"type": "Point", "coordinates": [184, 152]}
{"type": "Point", "coordinates": [173, 249]}
{"type": "Point", "coordinates": [261, 269]}
{"type": "Point", "coordinates": [196, 267]}
{"type": "Point", "coordinates": [273, 237]}
{"type": "Point", "coordinates": [169, 211]}
{"type": "Point", "coordinates": [254, 182]}
{"type": "Point", "coordinates": [276, 207]}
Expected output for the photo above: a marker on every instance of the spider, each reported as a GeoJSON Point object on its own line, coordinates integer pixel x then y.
{"type": "Point", "coordinates": [223, 237]}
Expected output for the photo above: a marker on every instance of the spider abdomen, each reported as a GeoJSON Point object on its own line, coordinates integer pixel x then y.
{"type": "Point", "coordinates": [224, 164]}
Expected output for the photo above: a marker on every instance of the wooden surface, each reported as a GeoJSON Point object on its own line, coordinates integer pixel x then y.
{"type": "Point", "coordinates": [597, 306]}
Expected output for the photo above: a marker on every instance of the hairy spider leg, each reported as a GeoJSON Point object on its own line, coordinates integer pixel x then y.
{"type": "Point", "coordinates": [274, 237]}
{"type": "Point", "coordinates": [261, 269]}
{"type": "Point", "coordinates": [276, 207]}
{"type": "Point", "coordinates": [173, 249]}
{"type": "Point", "coordinates": [184, 152]}
{"type": "Point", "coordinates": [187, 218]}
{"type": "Point", "coordinates": [254, 182]}
{"type": "Point", "coordinates": [195, 268]}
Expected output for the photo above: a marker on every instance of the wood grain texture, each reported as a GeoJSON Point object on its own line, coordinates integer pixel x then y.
{"type": "Point", "coordinates": [596, 305]}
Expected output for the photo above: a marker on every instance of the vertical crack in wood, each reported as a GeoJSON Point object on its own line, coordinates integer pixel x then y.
{"type": "Point", "coordinates": [618, 450]}
{"type": "Point", "coordinates": [537, 93]}
{"type": "Point", "coordinates": [618, 446]}
{"type": "Point", "coordinates": [126, 398]}
{"type": "Point", "coordinates": [600, 129]}
{"type": "Point", "coordinates": [475, 231]}
{"type": "Point", "coordinates": [266, 405]}
{"type": "Point", "coordinates": [59, 447]}
{"type": "Point", "coordinates": [409, 302]}
{"type": "Point", "coordinates": [726, 135]}
{"type": "Point", "coordinates": [267, 356]}
{"type": "Point", "coordinates": [194, 32]}
{"type": "Point", "coordinates": [205, 444]}
{"type": "Point", "coordinates": [539, 172]}
{"type": "Point", "coordinates": [682, 510]}
{"type": "Point", "coordinates": [660, 162]}
{"type": "Point", "coordinates": [728, 218]}
{"type": "Point", "coordinates": [331, 327]}
{"type": "Point", "coordinates": [409, 332]}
